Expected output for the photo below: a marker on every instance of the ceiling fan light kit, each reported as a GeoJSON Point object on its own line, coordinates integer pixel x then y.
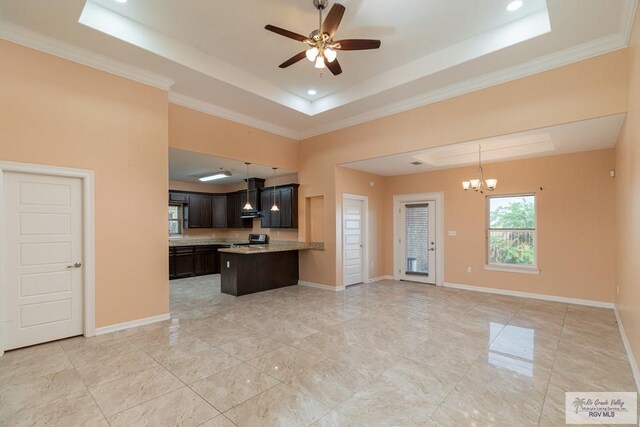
{"type": "Point", "coordinates": [322, 49]}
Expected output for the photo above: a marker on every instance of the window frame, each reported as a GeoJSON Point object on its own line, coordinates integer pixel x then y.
{"type": "Point", "coordinates": [180, 216]}
{"type": "Point", "coordinates": [514, 268]}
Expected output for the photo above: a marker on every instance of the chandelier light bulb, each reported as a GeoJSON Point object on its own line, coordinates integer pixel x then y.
{"type": "Point", "coordinates": [475, 184]}
{"type": "Point", "coordinates": [491, 184]}
{"type": "Point", "coordinates": [312, 54]}
{"type": "Point", "coordinates": [330, 54]}
{"type": "Point", "coordinates": [466, 185]}
{"type": "Point", "coordinates": [320, 62]}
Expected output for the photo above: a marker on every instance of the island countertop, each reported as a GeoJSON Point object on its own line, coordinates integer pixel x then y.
{"type": "Point", "coordinates": [263, 249]}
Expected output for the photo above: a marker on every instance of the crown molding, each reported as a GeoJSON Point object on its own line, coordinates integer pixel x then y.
{"type": "Point", "coordinates": [223, 113]}
{"type": "Point", "coordinates": [558, 59]}
{"type": "Point", "coordinates": [25, 37]}
{"type": "Point", "coordinates": [628, 16]}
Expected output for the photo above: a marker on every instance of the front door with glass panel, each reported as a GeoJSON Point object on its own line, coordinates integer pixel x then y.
{"type": "Point", "coordinates": [417, 242]}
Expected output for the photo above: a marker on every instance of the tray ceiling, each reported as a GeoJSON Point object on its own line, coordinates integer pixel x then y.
{"type": "Point", "coordinates": [216, 56]}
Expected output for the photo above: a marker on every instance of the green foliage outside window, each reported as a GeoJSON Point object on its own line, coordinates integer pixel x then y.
{"type": "Point", "coordinates": [512, 230]}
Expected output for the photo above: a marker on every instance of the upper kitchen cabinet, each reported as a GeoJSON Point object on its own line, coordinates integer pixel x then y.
{"type": "Point", "coordinates": [178, 197]}
{"type": "Point", "coordinates": [200, 211]}
{"type": "Point", "coordinates": [286, 198]}
{"type": "Point", "coordinates": [219, 206]}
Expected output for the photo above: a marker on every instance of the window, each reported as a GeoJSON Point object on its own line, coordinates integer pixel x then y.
{"type": "Point", "coordinates": [175, 214]}
{"type": "Point", "coordinates": [511, 234]}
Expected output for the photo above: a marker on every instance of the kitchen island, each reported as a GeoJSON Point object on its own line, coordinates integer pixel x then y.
{"type": "Point", "coordinates": [249, 269]}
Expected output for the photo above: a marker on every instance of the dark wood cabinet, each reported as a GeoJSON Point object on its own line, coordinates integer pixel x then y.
{"type": "Point", "coordinates": [200, 211]}
{"type": "Point", "coordinates": [183, 262]}
{"type": "Point", "coordinates": [238, 272]}
{"type": "Point", "coordinates": [205, 260]}
{"type": "Point", "coordinates": [219, 208]}
{"type": "Point", "coordinates": [178, 197]}
{"type": "Point", "coordinates": [172, 258]}
{"type": "Point", "coordinates": [189, 261]}
{"type": "Point", "coordinates": [288, 207]}
{"type": "Point", "coordinates": [286, 198]}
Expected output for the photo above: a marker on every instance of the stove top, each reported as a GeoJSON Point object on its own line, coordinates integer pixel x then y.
{"type": "Point", "coordinates": [254, 239]}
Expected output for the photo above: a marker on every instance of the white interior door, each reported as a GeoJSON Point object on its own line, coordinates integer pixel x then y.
{"type": "Point", "coordinates": [417, 242]}
{"type": "Point", "coordinates": [353, 241]}
{"type": "Point", "coordinates": [42, 240]}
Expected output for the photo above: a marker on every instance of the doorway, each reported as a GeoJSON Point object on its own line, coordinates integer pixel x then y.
{"type": "Point", "coordinates": [354, 239]}
{"type": "Point", "coordinates": [46, 255]}
{"type": "Point", "coordinates": [417, 238]}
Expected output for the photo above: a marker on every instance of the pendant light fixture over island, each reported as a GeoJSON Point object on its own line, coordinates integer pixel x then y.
{"type": "Point", "coordinates": [247, 206]}
{"type": "Point", "coordinates": [275, 207]}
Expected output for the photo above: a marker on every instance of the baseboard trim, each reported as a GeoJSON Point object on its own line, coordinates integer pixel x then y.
{"type": "Point", "coordinates": [544, 297]}
{"type": "Point", "coordinates": [132, 324]}
{"type": "Point", "coordinates": [379, 278]}
{"type": "Point", "coordinates": [320, 286]}
{"type": "Point", "coordinates": [627, 347]}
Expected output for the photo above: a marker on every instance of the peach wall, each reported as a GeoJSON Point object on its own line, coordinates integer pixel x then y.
{"type": "Point", "coordinates": [56, 112]}
{"type": "Point", "coordinates": [192, 130]}
{"type": "Point", "coordinates": [575, 223]}
{"type": "Point", "coordinates": [628, 201]}
{"type": "Point", "coordinates": [592, 88]}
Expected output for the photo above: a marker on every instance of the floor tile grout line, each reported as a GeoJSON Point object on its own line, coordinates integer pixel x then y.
{"type": "Point", "coordinates": [86, 387]}
{"type": "Point", "coordinates": [546, 392]}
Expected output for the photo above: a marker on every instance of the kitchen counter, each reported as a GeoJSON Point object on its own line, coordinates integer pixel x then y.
{"type": "Point", "coordinates": [263, 249]}
{"type": "Point", "coordinates": [204, 241]}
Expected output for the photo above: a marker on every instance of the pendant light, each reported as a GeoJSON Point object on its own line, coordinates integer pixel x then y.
{"type": "Point", "coordinates": [476, 184]}
{"type": "Point", "coordinates": [247, 206]}
{"type": "Point", "coordinates": [275, 207]}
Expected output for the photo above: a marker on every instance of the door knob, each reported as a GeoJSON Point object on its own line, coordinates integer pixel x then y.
{"type": "Point", "coordinates": [76, 265]}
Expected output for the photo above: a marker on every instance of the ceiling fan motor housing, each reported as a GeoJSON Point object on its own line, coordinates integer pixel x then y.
{"type": "Point", "coordinates": [320, 4]}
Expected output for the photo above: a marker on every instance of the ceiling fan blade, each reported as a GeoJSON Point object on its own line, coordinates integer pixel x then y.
{"type": "Point", "coordinates": [334, 67]}
{"type": "Point", "coordinates": [331, 22]}
{"type": "Point", "coordinates": [358, 44]}
{"type": "Point", "coordinates": [293, 60]}
{"type": "Point", "coordinates": [286, 33]}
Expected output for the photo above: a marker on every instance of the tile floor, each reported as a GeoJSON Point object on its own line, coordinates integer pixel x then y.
{"type": "Point", "coordinates": [386, 354]}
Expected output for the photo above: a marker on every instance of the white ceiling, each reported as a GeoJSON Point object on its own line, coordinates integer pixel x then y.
{"type": "Point", "coordinates": [585, 135]}
{"type": "Point", "coordinates": [215, 56]}
{"type": "Point", "coordinates": [189, 166]}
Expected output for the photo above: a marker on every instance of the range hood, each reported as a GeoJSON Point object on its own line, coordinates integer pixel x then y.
{"type": "Point", "coordinates": [250, 214]}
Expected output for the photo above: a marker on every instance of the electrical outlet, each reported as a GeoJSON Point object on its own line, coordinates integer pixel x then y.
{"type": "Point", "coordinates": [228, 264]}
{"type": "Point", "coordinates": [618, 290]}
{"type": "Point", "coordinates": [468, 269]}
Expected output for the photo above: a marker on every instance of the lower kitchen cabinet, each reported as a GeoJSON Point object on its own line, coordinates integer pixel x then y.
{"type": "Point", "coordinates": [189, 261]}
{"type": "Point", "coordinates": [205, 260]}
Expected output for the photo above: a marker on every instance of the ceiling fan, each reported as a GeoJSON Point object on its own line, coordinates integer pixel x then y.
{"type": "Point", "coordinates": [321, 46]}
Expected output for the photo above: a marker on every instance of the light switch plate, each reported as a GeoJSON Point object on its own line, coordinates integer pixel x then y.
{"type": "Point", "coordinates": [452, 233]}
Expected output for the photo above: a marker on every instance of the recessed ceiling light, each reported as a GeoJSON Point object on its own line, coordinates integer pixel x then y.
{"type": "Point", "coordinates": [514, 5]}
{"type": "Point", "coordinates": [311, 92]}
{"type": "Point", "coordinates": [121, 1]}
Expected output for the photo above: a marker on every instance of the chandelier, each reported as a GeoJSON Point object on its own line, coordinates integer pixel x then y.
{"type": "Point", "coordinates": [479, 182]}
